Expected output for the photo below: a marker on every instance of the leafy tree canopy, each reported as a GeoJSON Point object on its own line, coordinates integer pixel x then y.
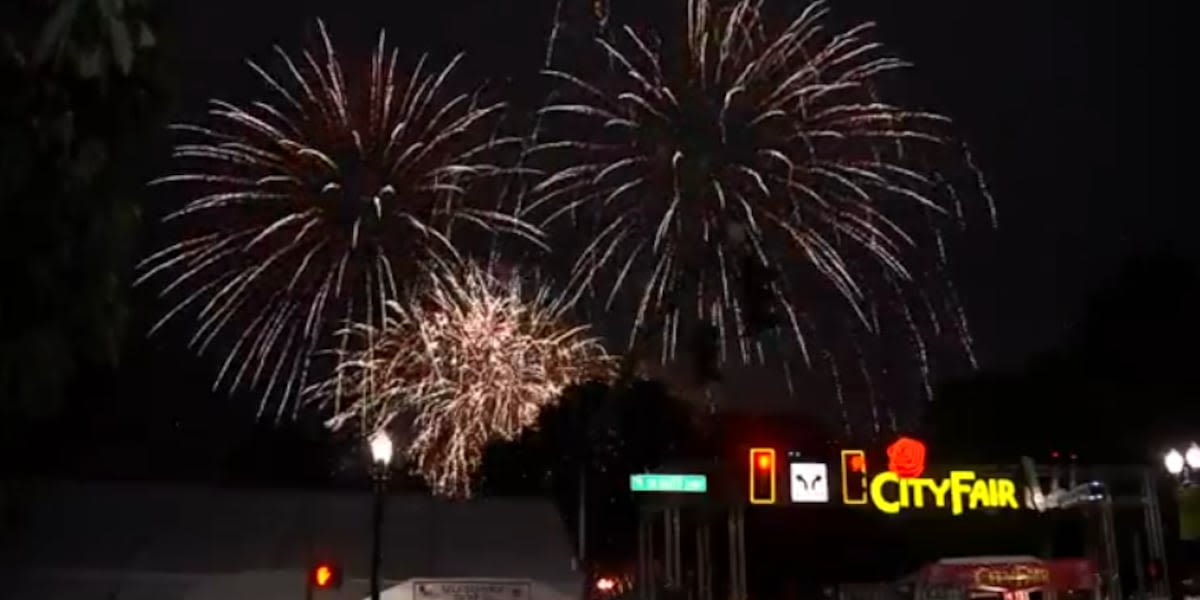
{"type": "Point", "coordinates": [80, 86]}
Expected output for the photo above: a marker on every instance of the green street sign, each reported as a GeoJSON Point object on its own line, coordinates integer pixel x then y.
{"type": "Point", "coordinates": [686, 484]}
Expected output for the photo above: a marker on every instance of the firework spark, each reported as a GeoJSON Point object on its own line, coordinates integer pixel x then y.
{"type": "Point", "coordinates": [473, 359]}
{"type": "Point", "coordinates": [315, 207]}
{"type": "Point", "coordinates": [745, 157]}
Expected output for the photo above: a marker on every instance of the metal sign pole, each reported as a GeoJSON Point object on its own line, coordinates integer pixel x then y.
{"type": "Point", "coordinates": [1140, 575]}
{"type": "Point", "coordinates": [644, 582]}
{"type": "Point", "coordinates": [703, 568]}
{"type": "Point", "coordinates": [678, 549]}
{"type": "Point", "coordinates": [668, 550]}
{"type": "Point", "coordinates": [741, 544]}
{"type": "Point", "coordinates": [737, 553]}
{"type": "Point", "coordinates": [733, 561]}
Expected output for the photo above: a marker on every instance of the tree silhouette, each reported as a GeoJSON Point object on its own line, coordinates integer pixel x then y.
{"type": "Point", "coordinates": [81, 83]}
{"type": "Point", "coordinates": [643, 428]}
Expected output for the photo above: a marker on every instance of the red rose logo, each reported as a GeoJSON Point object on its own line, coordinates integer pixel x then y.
{"type": "Point", "coordinates": [906, 457]}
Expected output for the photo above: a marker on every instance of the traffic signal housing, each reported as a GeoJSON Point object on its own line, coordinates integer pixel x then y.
{"type": "Point", "coordinates": [762, 476]}
{"type": "Point", "coordinates": [854, 477]}
{"type": "Point", "coordinates": [325, 576]}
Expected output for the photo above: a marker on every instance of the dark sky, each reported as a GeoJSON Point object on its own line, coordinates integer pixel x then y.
{"type": "Point", "coordinates": [1069, 106]}
{"type": "Point", "coordinates": [1066, 103]}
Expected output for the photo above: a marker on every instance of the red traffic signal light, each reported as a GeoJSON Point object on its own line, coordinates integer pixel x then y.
{"type": "Point", "coordinates": [854, 477]}
{"type": "Point", "coordinates": [762, 476]}
{"type": "Point", "coordinates": [325, 576]}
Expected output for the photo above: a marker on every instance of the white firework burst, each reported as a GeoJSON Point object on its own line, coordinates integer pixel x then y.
{"type": "Point", "coordinates": [740, 155]}
{"type": "Point", "coordinates": [316, 204]}
{"type": "Point", "coordinates": [472, 359]}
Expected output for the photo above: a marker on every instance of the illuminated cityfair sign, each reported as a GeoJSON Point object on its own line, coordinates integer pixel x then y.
{"type": "Point", "coordinates": [962, 491]}
{"type": "Point", "coordinates": [903, 487]}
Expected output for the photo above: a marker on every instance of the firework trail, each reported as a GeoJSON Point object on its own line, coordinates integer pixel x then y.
{"type": "Point", "coordinates": [737, 160]}
{"type": "Point", "coordinates": [316, 205]}
{"type": "Point", "coordinates": [471, 359]}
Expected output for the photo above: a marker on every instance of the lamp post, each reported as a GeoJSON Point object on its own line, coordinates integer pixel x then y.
{"type": "Point", "coordinates": [1184, 466]}
{"type": "Point", "coordinates": [381, 460]}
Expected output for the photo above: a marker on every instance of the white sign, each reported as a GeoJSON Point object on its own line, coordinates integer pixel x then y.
{"type": "Point", "coordinates": [471, 590]}
{"type": "Point", "coordinates": [810, 482]}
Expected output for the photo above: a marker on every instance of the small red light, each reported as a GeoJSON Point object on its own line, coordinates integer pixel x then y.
{"type": "Point", "coordinates": [605, 584]}
{"type": "Point", "coordinates": [1054, 454]}
{"type": "Point", "coordinates": [858, 463]}
{"type": "Point", "coordinates": [323, 576]}
{"type": "Point", "coordinates": [762, 475]}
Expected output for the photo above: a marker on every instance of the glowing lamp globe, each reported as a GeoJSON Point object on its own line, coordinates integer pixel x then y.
{"type": "Point", "coordinates": [1173, 461]}
{"type": "Point", "coordinates": [1192, 457]}
{"type": "Point", "coordinates": [381, 448]}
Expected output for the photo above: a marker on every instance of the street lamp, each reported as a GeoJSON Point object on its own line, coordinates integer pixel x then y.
{"type": "Point", "coordinates": [1184, 465]}
{"type": "Point", "coordinates": [381, 449]}
{"type": "Point", "coordinates": [1192, 457]}
{"type": "Point", "coordinates": [1173, 461]}
{"type": "Point", "coordinates": [381, 456]}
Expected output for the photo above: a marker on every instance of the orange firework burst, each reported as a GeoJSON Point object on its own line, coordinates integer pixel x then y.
{"type": "Point", "coordinates": [472, 359]}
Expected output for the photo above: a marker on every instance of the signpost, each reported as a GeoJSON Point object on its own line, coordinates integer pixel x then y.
{"type": "Point", "coordinates": [685, 484]}
{"type": "Point", "coordinates": [809, 482]}
{"type": "Point", "coordinates": [471, 590]}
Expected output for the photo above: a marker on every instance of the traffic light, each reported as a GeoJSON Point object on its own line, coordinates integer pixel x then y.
{"type": "Point", "coordinates": [762, 476]}
{"type": "Point", "coordinates": [325, 576]}
{"type": "Point", "coordinates": [854, 477]}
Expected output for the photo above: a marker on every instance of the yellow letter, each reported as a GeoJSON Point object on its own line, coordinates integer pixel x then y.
{"type": "Point", "coordinates": [915, 487]}
{"type": "Point", "coordinates": [883, 504]}
{"type": "Point", "coordinates": [959, 487]}
{"type": "Point", "coordinates": [979, 495]}
{"type": "Point", "coordinates": [939, 489]}
{"type": "Point", "coordinates": [1006, 495]}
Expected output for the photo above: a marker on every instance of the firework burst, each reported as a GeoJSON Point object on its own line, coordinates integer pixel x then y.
{"type": "Point", "coordinates": [315, 206]}
{"type": "Point", "coordinates": [740, 157]}
{"type": "Point", "coordinates": [471, 359]}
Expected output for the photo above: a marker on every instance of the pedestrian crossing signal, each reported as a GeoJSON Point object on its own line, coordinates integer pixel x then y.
{"type": "Point", "coordinates": [762, 476]}
{"type": "Point", "coordinates": [854, 477]}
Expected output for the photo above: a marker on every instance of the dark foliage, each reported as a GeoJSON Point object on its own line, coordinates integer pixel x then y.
{"type": "Point", "coordinates": [80, 88]}
{"type": "Point", "coordinates": [604, 440]}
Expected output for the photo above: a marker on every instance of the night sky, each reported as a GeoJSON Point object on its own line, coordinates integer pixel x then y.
{"type": "Point", "coordinates": [1068, 106]}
